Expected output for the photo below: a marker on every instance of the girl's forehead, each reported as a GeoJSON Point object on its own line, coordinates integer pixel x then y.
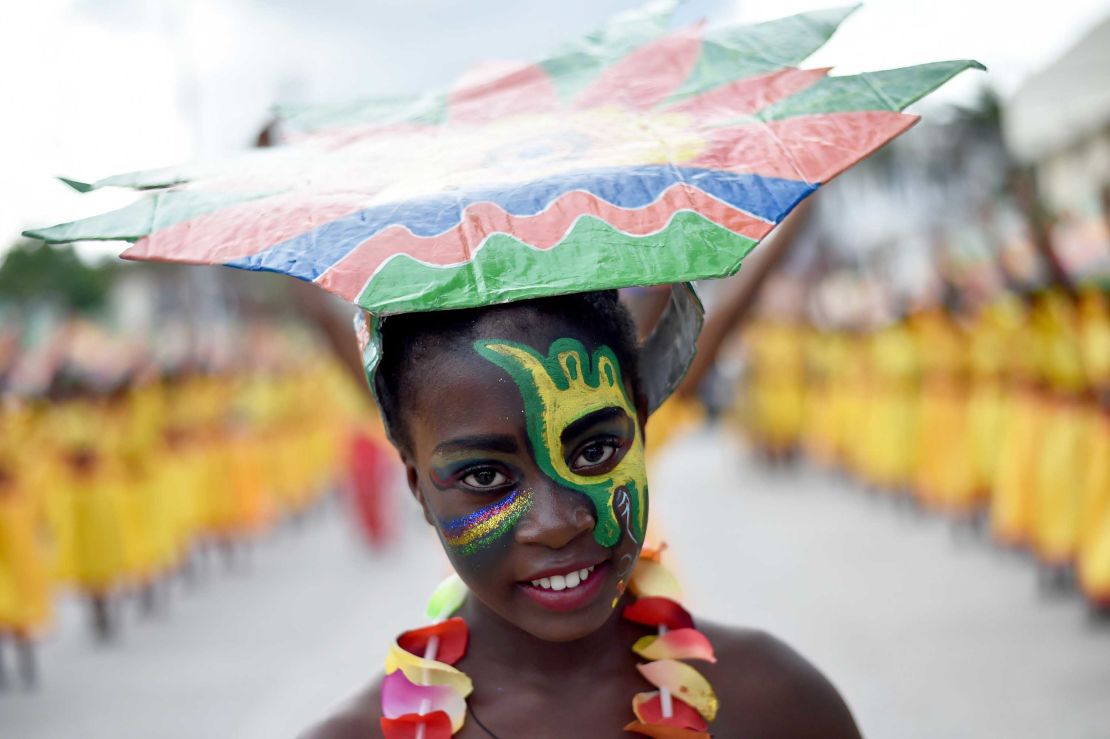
{"type": "Point", "coordinates": [462, 395]}
{"type": "Point", "coordinates": [458, 392]}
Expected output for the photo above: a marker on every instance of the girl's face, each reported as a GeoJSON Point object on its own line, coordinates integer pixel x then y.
{"type": "Point", "coordinates": [528, 459]}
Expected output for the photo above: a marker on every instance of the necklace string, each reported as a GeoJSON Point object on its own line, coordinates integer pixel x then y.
{"type": "Point", "coordinates": [473, 715]}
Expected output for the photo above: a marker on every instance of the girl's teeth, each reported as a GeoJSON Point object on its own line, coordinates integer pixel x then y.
{"type": "Point", "coordinates": [564, 582]}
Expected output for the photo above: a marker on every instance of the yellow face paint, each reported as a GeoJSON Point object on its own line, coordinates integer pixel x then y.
{"type": "Point", "coordinates": [559, 389]}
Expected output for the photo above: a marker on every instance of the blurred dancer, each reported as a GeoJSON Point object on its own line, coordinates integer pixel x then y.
{"type": "Point", "coordinates": [25, 588]}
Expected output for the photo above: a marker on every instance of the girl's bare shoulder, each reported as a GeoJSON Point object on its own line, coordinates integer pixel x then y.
{"type": "Point", "coordinates": [767, 689]}
{"type": "Point", "coordinates": [358, 718]}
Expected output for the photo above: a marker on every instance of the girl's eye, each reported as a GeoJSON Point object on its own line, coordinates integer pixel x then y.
{"type": "Point", "coordinates": [594, 454]}
{"type": "Point", "coordinates": [486, 478]}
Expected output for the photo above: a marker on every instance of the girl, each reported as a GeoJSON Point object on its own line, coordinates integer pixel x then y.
{"type": "Point", "coordinates": [514, 423]}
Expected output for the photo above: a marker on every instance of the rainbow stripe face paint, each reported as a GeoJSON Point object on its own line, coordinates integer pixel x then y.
{"type": "Point", "coordinates": [478, 530]}
{"type": "Point", "coordinates": [564, 387]}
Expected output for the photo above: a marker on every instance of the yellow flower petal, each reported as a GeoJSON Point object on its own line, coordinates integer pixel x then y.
{"type": "Point", "coordinates": [653, 580]}
{"type": "Point", "coordinates": [422, 671]}
{"type": "Point", "coordinates": [684, 682]}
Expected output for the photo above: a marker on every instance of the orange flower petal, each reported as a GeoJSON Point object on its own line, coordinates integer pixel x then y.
{"type": "Point", "coordinates": [658, 612]}
{"type": "Point", "coordinates": [653, 580]}
{"type": "Point", "coordinates": [648, 707]}
{"type": "Point", "coordinates": [452, 635]}
{"type": "Point", "coordinates": [677, 644]}
{"type": "Point", "coordinates": [652, 552]}
{"type": "Point", "coordinates": [658, 731]}
{"type": "Point", "coordinates": [684, 682]}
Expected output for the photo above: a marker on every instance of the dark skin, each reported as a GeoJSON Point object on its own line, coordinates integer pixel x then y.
{"type": "Point", "coordinates": [539, 673]}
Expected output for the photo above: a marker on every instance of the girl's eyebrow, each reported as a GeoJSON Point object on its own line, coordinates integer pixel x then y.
{"type": "Point", "coordinates": [587, 422]}
{"type": "Point", "coordinates": [484, 442]}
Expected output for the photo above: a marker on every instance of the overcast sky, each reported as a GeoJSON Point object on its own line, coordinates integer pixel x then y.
{"type": "Point", "coordinates": [95, 87]}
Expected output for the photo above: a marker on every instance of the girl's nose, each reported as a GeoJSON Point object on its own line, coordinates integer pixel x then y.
{"type": "Point", "coordinates": [558, 516]}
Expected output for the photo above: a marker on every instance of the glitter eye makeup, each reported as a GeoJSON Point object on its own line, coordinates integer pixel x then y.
{"type": "Point", "coordinates": [478, 530]}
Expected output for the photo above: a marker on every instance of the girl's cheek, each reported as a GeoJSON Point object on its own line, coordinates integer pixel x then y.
{"type": "Point", "coordinates": [483, 536]}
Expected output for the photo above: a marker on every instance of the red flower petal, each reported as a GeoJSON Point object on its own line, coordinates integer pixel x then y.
{"type": "Point", "coordinates": [452, 635]}
{"type": "Point", "coordinates": [436, 725]}
{"type": "Point", "coordinates": [675, 644]}
{"type": "Point", "coordinates": [659, 612]}
{"type": "Point", "coordinates": [659, 731]}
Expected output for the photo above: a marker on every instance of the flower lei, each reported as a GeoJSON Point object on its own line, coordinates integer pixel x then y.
{"type": "Point", "coordinates": [424, 696]}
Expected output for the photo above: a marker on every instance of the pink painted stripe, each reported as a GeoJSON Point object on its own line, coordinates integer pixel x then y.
{"type": "Point", "coordinates": [813, 148]}
{"type": "Point", "coordinates": [647, 76]}
{"type": "Point", "coordinates": [543, 230]}
{"type": "Point", "coordinates": [514, 89]}
{"type": "Point", "coordinates": [244, 229]}
{"type": "Point", "coordinates": [748, 96]}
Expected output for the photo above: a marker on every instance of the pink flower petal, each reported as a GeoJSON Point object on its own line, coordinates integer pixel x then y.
{"type": "Point", "coordinates": [401, 697]}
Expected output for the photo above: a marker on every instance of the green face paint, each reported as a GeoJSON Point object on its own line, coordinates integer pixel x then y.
{"type": "Point", "coordinates": [559, 389]}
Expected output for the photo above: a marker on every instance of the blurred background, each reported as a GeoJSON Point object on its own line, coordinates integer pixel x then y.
{"type": "Point", "coordinates": [893, 451]}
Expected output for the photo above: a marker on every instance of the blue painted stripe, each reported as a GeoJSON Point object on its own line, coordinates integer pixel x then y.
{"type": "Point", "coordinates": [308, 255]}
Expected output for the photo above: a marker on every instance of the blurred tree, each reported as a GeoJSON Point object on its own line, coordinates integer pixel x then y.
{"type": "Point", "coordinates": [33, 272]}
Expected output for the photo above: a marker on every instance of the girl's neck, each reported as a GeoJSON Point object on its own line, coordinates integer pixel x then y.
{"type": "Point", "coordinates": [496, 645]}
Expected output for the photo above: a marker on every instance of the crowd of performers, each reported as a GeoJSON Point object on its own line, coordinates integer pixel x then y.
{"type": "Point", "coordinates": [1000, 417]}
{"type": "Point", "coordinates": [110, 493]}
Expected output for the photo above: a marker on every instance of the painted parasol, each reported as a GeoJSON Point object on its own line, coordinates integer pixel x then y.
{"type": "Point", "coordinates": [635, 156]}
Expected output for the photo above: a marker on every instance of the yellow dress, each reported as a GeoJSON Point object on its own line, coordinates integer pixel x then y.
{"type": "Point", "coordinates": [944, 477]}
{"type": "Point", "coordinates": [25, 585]}
{"type": "Point", "coordinates": [992, 336]}
{"type": "Point", "coordinates": [892, 429]}
{"type": "Point", "coordinates": [1093, 560]}
{"type": "Point", "coordinates": [1011, 506]}
{"type": "Point", "coordinates": [1060, 462]}
{"type": "Point", "coordinates": [776, 384]}
{"type": "Point", "coordinates": [825, 353]}
{"type": "Point", "coordinates": [100, 555]}
{"type": "Point", "coordinates": [93, 549]}
{"type": "Point", "coordinates": [1093, 556]}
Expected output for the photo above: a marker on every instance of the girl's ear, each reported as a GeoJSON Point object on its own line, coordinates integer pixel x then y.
{"type": "Point", "coordinates": [412, 477]}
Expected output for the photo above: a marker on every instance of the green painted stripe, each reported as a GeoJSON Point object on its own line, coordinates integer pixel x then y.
{"type": "Point", "coordinates": [147, 215]}
{"type": "Point", "coordinates": [892, 89]}
{"type": "Point", "coordinates": [575, 65]}
{"type": "Point", "coordinates": [592, 256]}
{"type": "Point", "coordinates": [81, 187]}
{"type": "Point", "coordinates": [734, 53]}
{"type": "Point", "coordinates": [429, 110]}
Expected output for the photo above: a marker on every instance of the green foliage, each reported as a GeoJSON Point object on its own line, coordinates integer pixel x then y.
{"type": "Point", "coordinates": [33, 271]}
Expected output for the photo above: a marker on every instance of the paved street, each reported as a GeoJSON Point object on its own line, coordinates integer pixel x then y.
{"type": "Point", "coordinates": [928, 634]}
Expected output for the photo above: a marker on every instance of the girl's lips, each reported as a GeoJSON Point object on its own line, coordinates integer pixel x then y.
{"type": "Point", "coordinates": [569, 599]}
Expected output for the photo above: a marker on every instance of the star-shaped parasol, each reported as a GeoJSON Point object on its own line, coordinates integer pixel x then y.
{"type": "Point", "coordinates": [635, 156]}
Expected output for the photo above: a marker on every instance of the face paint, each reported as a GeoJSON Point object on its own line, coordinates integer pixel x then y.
{"type": "Point", "coordinates": [565, 387]}
{"type": "Point", "coordinates": [476, 531]}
